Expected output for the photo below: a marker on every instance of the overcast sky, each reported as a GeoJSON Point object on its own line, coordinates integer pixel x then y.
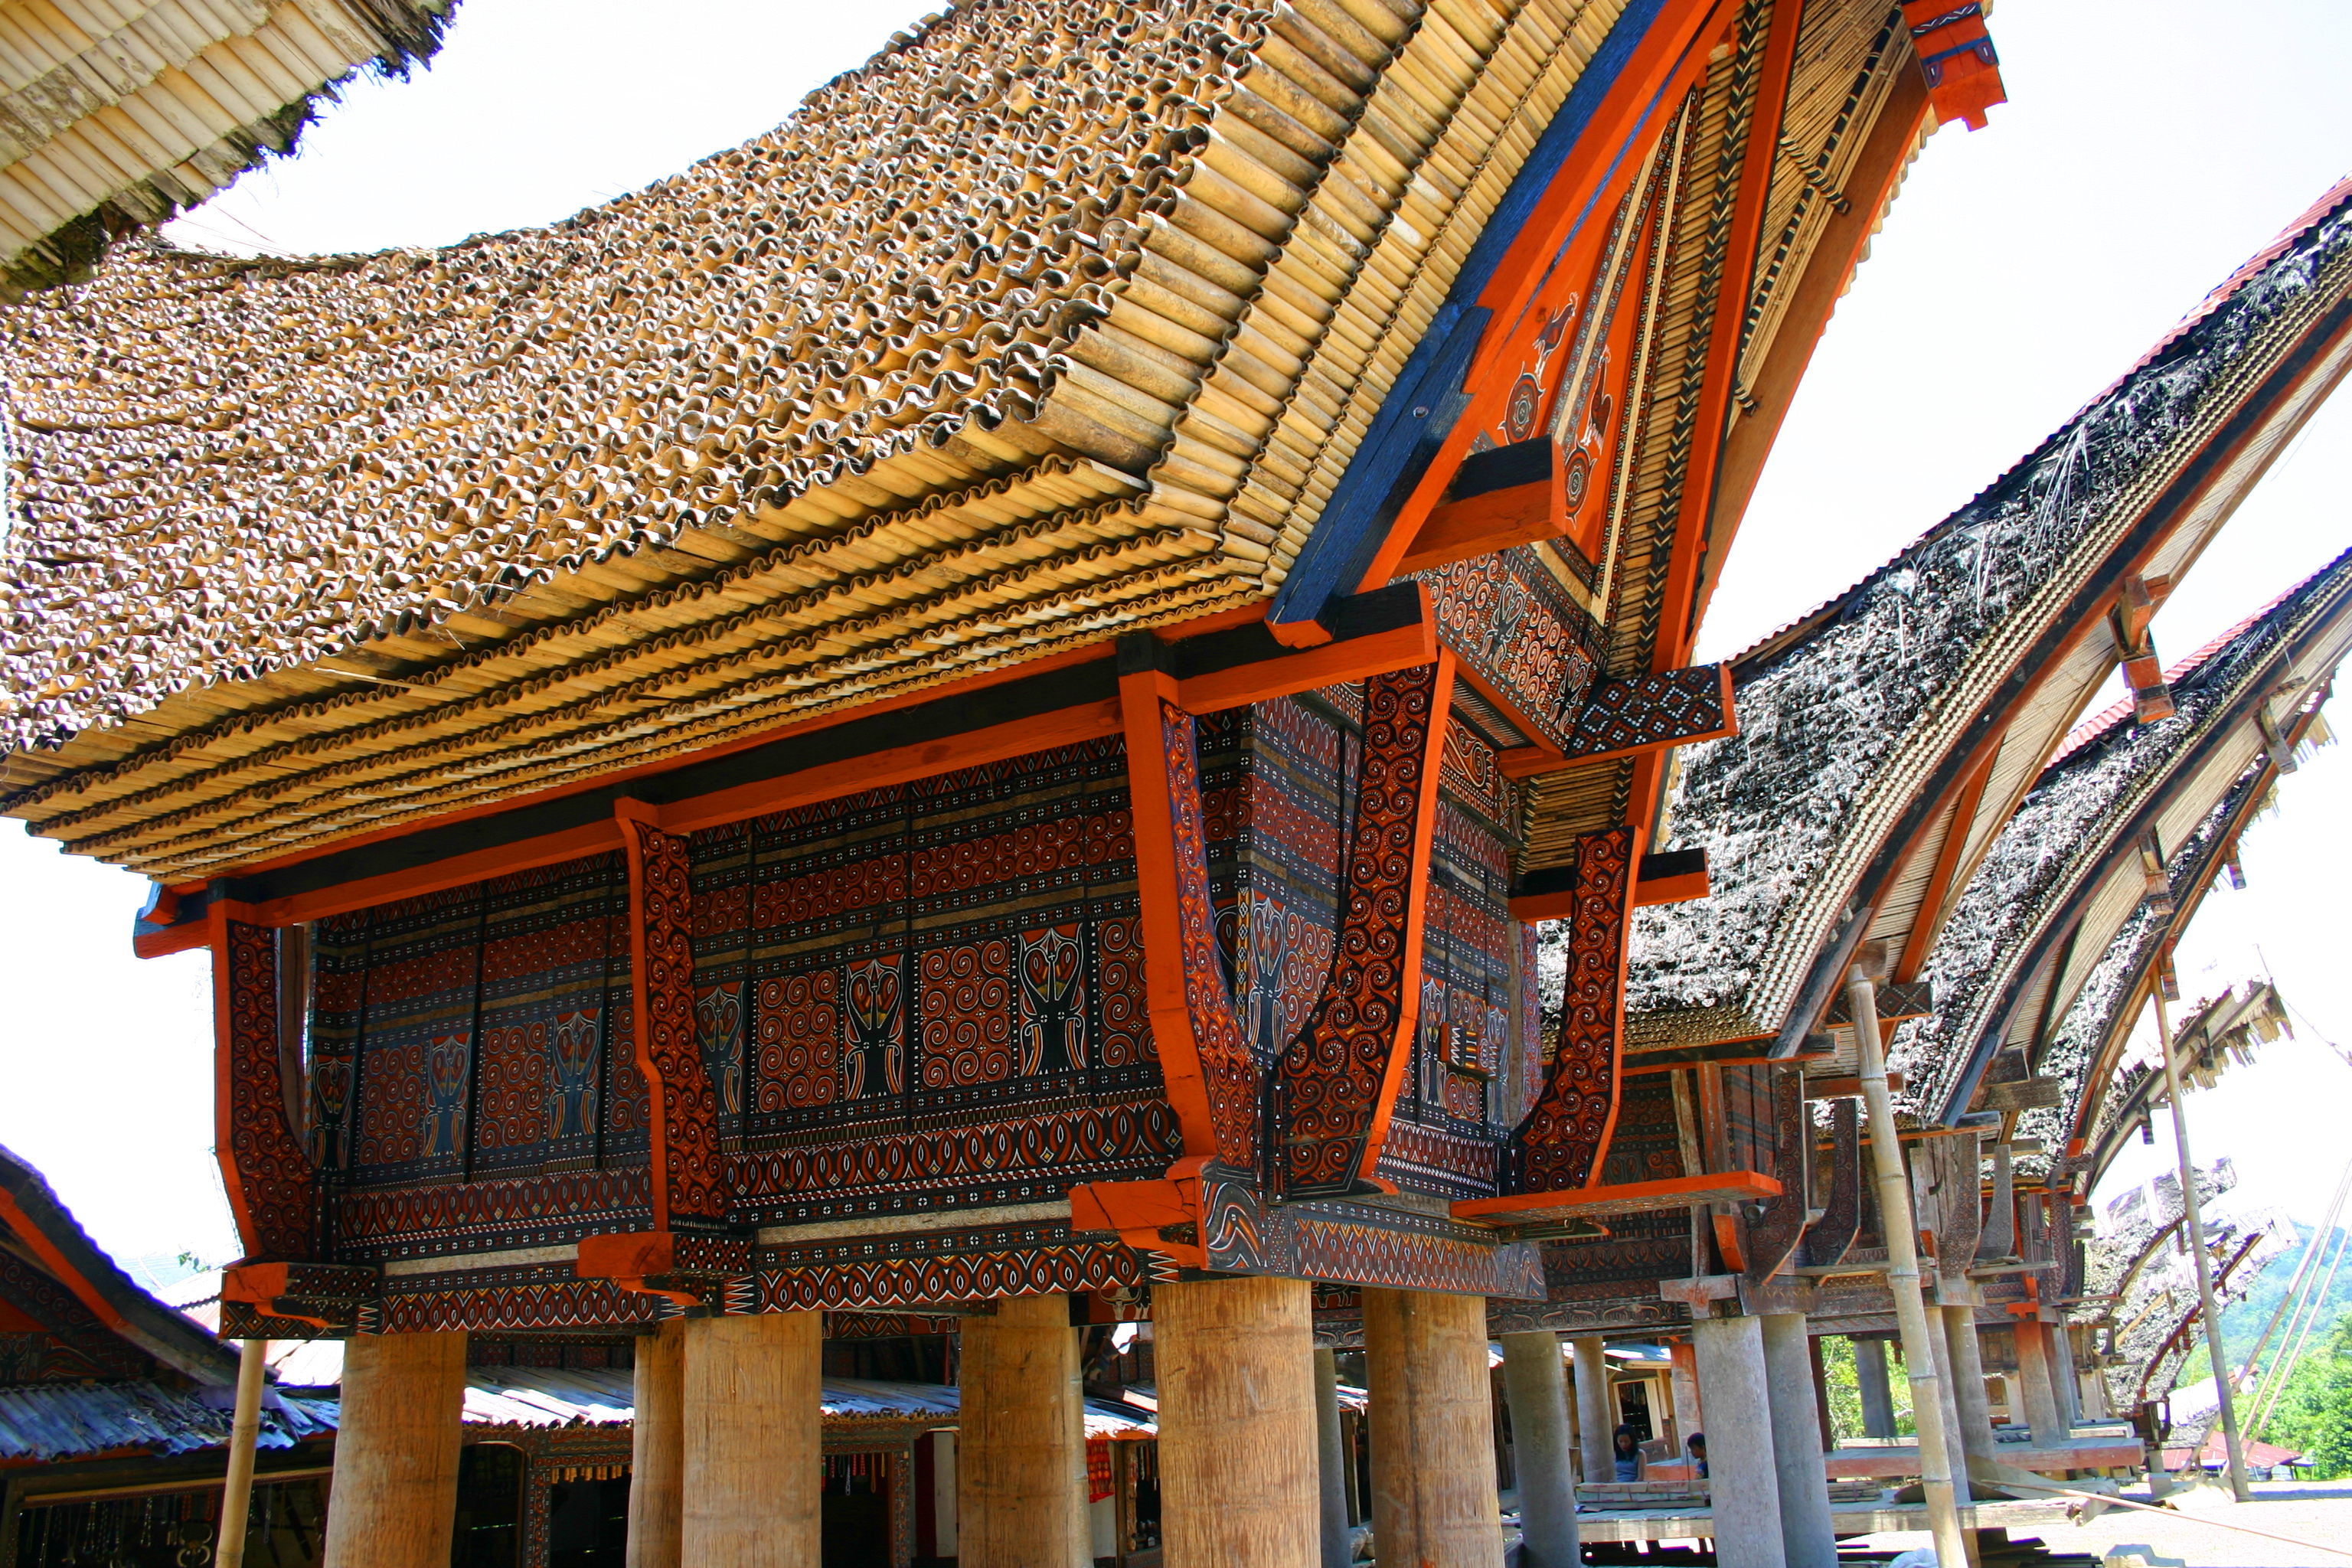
{"type": "Point", "coordinates": [2150, 148]}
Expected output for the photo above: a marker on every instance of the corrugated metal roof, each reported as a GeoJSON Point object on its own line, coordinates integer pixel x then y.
{"type": "Point", "coordinates": [63, 1421]}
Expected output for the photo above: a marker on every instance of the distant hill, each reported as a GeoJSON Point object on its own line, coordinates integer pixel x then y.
{"type": "Point", "coordinates": [2243, 1319]}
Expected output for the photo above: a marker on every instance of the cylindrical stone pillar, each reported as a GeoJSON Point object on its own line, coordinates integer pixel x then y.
{"type": "Point", "coordinates": [2035, 1380]}
{"type": "Point", "coordinates": [1807, 1534]}
{"type": "Point", "coordinates": [658, 1449]}
{"type": "Point", "coordinates": [1969, 1399]}
{"type": "Point", "coordinates": [395, 1500]}
{"type": "Point", "coordinates": [1021, 1439]}
{"type": "Point", "coordinates": [1596, 1412]}
{"type": "Point", "coordinates": [1743, 1470]}
{"type": "Point", "coordinates": [1536, 1385]}
{"type": "Point", "coordinates": [1877, 1393]}
{"type": "Point", "coordinates": [1331, 1461]}
{"type": "Point", "coordinates": [1434, 1498]}
{"type": "Point", "coordinates": [1237, 1453]}
{"type": "Point", "coordinates": [754, 1418]}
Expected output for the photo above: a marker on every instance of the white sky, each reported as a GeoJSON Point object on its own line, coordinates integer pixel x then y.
{"type": "Point", "coordinates": [2150, 149]}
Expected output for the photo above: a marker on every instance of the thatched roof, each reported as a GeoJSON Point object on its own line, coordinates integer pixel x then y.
{"type": "Point", "coordinates": [115, 114]}
{"type": "Point", "coordinates": [1968, 653]}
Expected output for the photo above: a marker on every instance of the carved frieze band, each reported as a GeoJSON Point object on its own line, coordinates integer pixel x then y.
{"type": "Point", "coordinates": [1561, 1142]}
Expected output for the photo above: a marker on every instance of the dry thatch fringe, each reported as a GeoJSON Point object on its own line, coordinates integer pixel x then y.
{"type": "Point", "coordinates": [656, 738]}
{"type": "Point", "coordinates": [439, 747]}
{"type": "Point", "coordinates": [451, 673]}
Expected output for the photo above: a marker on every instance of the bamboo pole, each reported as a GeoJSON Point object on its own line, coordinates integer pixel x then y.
{"type": "Point", "coordinates": [1902, 1275]}
{"type": "Point", "coordinates": [236, 1491]}
{"type": "Point", "coordinates": [2192, 1213]}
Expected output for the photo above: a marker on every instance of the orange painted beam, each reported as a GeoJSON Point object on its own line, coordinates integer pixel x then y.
{"type": "Point", "coordinates": [1378, 653]}
{"type": "Point", "coordinates": [1679, 890]}
{"type": "Point", "coordinates": [1678, 627]}
{"type": "Point", "coordinates": [21, 1226]}
{"type": "Point", "coordinates": [1663, 66]}
{"type": "Point", "coordinates": [1483, 524]}
{"type": "Point", "coordinates": [1159, 888]}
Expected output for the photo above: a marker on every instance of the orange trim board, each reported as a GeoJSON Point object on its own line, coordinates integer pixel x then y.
{"type": "Point", "coordinates": [1626, 1197]}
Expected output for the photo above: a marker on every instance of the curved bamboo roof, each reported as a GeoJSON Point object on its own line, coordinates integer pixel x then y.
{"type": "Point", "coordinates": [1049, 320]}
{"type": "Point", "coordinates": [117, 113]}
{"type": "Point", "coordinates": [1887, 736]}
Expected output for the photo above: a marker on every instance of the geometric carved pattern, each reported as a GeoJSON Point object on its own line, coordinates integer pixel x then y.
{"type": "Point", "coordinates": [902, 1271]}
{"type": "Point", "coordinates": [1327, 1085]}
{"type": "Point", "coordinates": [272, 1186]}
{"type": "Point", "coordinates": [690, 1175]}
{"type": "Point", "coordinates": [1357, 1244]}
{"type": "Point", "coordinates": [1506, 617]}
{"type": "Point", "coordinates": [1668, 706]}
{"type": "Point", "coordinates": [1228, 1069]}
{"type": "Point", "coordinates": [1559, 1145]}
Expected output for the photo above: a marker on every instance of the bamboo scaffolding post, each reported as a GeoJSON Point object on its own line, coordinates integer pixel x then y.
{"type": "Point", "coordinates": [1903, 1274]}
{"type": "Point", "coordinates": [2192, 1215]}
{"type": "Point", "coordinates": [244, 1428]}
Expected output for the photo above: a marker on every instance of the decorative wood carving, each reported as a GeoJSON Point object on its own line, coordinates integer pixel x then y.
{"type": "Point", "coordinates": [1333, 1087]}
{"type": "Point", "coordinates": [1212, 1077]}
{"type": "Point", "coordinates": [1561, 1142]}
{"type": "Point", "coordinates": [1646, 712]}
{"type": "Point", "coordinates": [273, 1188]}
{"type": "Point", "coordinates": [689, 1172]}
{"type": "Point", "coordinates": [1829, 1241]}
{"type": "Point", "coordinates": [1774, 1235]}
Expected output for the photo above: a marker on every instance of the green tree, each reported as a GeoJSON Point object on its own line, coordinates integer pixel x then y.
{"type": "Point", "coordinates": [1845, 1388]}
{"type": "Point", "coordinates": [2314, 1412]}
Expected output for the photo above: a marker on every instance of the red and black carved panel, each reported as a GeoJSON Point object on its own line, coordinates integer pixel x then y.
{"type": "Point", "coordinates": [1275, 809]}
{"type": "Point", "coordinates": [1229, 1070]}
{"type": "Point", "coordinates": [387, 1225]}
{"type": "Point", "coordinates": [1646, 712]}
{"type": "Point", "coordinates": [1360, 1244]}
{"type": "Point", "coordinates": [544, 1296]}
{"type": "Point", "coordinates": [47, 1335]}
{"type": "Point", "coordinates": [1560, 1144]}
{"type": "Point", "coordinates": [689, 1173]}
{"type": "Point", "coordinates": [273, 1188]}
{"type": "Point", "coordinates": [1512, 624]}
{"type": "Point", "coordinates": [1327, 1085]}
{"type": "Point", "coordinates": [1020, 1160]}
{"type": "Point", "coordinates": [552, 941]}
{"type": "Point", "coordinates": [888, 1272]}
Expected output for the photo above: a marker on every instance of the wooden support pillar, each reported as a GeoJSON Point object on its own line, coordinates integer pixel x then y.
{"type": "Point", "coordinates": [1541, 1449]}
{"type": "Point", "coordinates": [2040, 1392]}
{"type": "Point", "coordinates": [396, 1500]}
{"type": "Point", "coordinates": [1434, 1499]}
{"type": "Point", "coordinates": [752, 1468]}
{"type": "Point", "coordinates": [1681, 1376]}
{"type": "Point", "coordinates": [1969, 1401]}
{"type": "Point", "coordinates": [1807, 1536]}
{"type": "Point", "coordinates": [2063, 1373]}
{"type": "Point", "coordinates": [1237, 1456]}
{"type": "Point", "coordinates": [1877, 1392]}
{"type": "Point", "coordinates": [1596, 1412]}
{"type": "Point", "coordinates": [1021, 1460]}
{"type": "Point", "coordinates": [1331, 1462]}
{"type": "Point", "coordinates": [657, 1448]}
{"type": "Point", "coordinates": [1743, 1471]}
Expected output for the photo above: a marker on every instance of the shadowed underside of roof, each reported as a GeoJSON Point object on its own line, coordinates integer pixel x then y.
{"type": "Point", "coordinates": [1846, 717]}
{"type": "Point", "coordinates": [2070, 838]}
{"type": "Point", "coordinates": [117, 113]}
{"type": "Point", "coordinates": [1052, 320]}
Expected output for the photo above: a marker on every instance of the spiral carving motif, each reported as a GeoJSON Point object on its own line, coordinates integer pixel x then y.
{"type": "Point", "coordinates": [689, 1171]}
{"type": "Point", "coordinates": [1559, 1144]}
{"type": "Point", "coordinates": [1227, 1068]}
{"type": "Point", "coordinates": [1327, 1085]}
{"type": "Point", "coordinates": [271, 1181]}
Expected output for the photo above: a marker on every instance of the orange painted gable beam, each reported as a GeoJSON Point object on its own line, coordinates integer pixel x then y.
{"type": "Point", "coordinates": [1678, 627]}
{"type": "Point", "coordinates": [1666, 64]}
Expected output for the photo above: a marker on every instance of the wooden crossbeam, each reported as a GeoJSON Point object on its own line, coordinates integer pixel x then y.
{"type": "Point", "coordinates": [1500, 497]}
{"type": "Point", "coordinates": [1517, 1210]}
{"type": "Point", "coordinates": [1669, 877]}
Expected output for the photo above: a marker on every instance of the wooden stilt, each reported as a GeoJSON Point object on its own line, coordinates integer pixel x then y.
{"type": "Point", "coordinates": [656, 1449]}
{"type": "Point", "coordinates": [1021, 1471]}
{"type": "Point", "coordinates": [1434, 1498]}
{"type": "Point", "coordinates": [404, 1401]}
{"type": "Point", "coordinates": [750, 1444]}
{"type": "Point", "coordinates": [1237, 1455]}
